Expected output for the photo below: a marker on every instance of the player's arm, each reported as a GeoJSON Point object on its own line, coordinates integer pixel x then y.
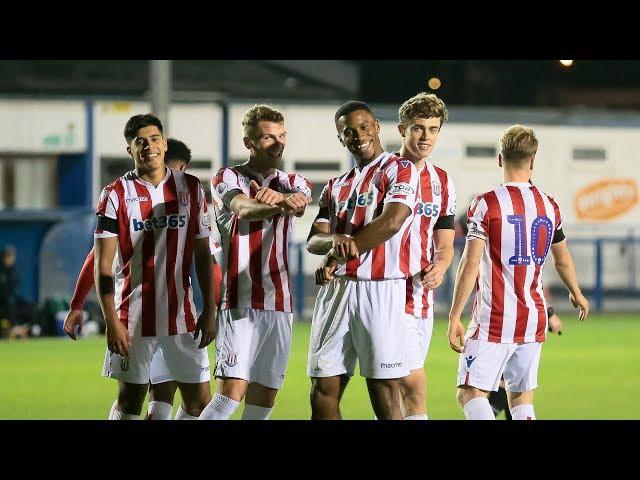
{"type": "Point", "coordinates": [206, 320]}
{"type": "Point", "coordinates": [465, 281]}
{"type": "Point", "coordinates": [118, 339]}
{"type": "Point", "coordinates": [217, 281]}
{"type": "Point", "coordinates": [443, 236]}
{"type": "Point", "coordinates": [564, 266]}
{"type": "Point", "coordinates": [84, 284]}
{"type": "Point", "coordinates": [383, 227]}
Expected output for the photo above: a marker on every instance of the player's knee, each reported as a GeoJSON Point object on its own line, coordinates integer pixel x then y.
{"type": "Point", "coordinates": [384, 389]}
{"type": "Point", "coordinates": [131, 398]}
{"type": "Point", "coordinates": [463, 396]}
{"type": "Point", "coordinates": [324, 392]}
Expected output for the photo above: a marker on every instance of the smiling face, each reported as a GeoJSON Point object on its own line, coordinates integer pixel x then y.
{"type": "Point", "coordinates": [267, 144]}
{"type": "Point", "coordinates": [359, 131]}
{"type": "Point", "coordinates": [147, 148]}
{"type": "Point", "coordinates": [420, 137]}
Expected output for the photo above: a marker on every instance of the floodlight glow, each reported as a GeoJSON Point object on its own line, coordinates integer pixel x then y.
{"type": "Point", "coordinates": [566, 63]}
{"type": "Point", "coordinates": [434, 83]}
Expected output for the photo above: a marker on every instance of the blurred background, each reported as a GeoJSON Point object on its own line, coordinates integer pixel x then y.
{"type": "Point", "coordinates": [61, 140]}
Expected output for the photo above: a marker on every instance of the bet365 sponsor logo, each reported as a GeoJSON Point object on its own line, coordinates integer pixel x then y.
{"type": "Point", "coordinates": [157, 223]}
{"type": "Point", "coordinates": [427, 209]}
{"type": "Point", "coordinates": [362, 200]}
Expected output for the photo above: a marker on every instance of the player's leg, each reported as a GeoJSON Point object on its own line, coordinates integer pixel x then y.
{"type": "Point", "coordinates": [325, 396]}
{"type": "Point", "coordinates": [269, 362]}
{"type": "Point", "coordinates": [480, 368]}
{"type": "Point", "coordinates": [161, 400]}
{"type": "Point", "coordinates": [189, 366]}
{"type": "Point", "coordinates": [498, 401]}
{"type": "Point", "coordinates": [161, 389]}
{"type": "Point", "coordinates": [380, 339]}
{"type": "Point", "coordinates": [332, 357]}
{"type": "Point", "coordinates": [234, 346]}
{"type": "Point", "coordinates": [521, 379]}
{"type": "Point", "coordinates": [413, 386]}
{"type": "Point", "coordinates": [132, 374]}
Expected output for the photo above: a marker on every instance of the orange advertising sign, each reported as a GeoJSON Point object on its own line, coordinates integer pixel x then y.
{"type": "Point", "coordinates": [606, 199]}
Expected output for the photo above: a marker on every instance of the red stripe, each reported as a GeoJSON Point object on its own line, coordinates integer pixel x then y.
{"type": "Point", "coordinates": [426, 255]}
{"type": "Point", "coordinates": [274, 268]}
{"type": "Point", "coordinates": [126, 251]}
{"type": "Point", "coordinates": [171, 207]}
{"type": "Point", "coordinates": [541, 328]}
{"type": "Point", "coordinates": [494, 233]}
{"type": "Point", "coordinates": [255, 261]}
{"type": "Point", "coordinates": [148, 268]}
{"type": "Point", "coordinates": [358, 221]}
{"type": "Point", "coordinates": [444, 191]}
{"type": "Point", "coordinates": [232, 265]}
{"type": "Point", "coordinates": [341, 223]}
{"type": "Point", "coordinates": [285, 244]}
{"type": "Point", "coordinates": [520, 271]}
{"type": "Point", "coordinates": [193, 185]}
{"type": "Point", "coordinates": [409, 306]}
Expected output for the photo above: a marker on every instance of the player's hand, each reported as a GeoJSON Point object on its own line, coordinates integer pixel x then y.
{"type": "Point", "coordinates": [266, 195]}
{"type": "Point", "coordinates": [555, 324]}
{"type": "Point", "coordinates": [432, 276]}
{"type": "Point", "coordinates": [207, 326]}
{"type": "Point", "coordinates": [324, 273]}
{"type": "Point", "coordinates": [118, 340]}
{"type": "Point", "coordinates": [344, 248]}
{"type": "Point", "coordinates": [295, 203]}
{"type": "Point", "coordinates": [72, 321]}
{"type": "Point", "coordinates": [455, 332]}
{"type": "Point", "coordinates": [579, 301]}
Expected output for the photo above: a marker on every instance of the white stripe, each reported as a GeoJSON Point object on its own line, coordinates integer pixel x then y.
{"type": "Point", "coordinates": [268, 238]}
{"type": "Point", "coordinates": [507, 250]}
{"type": "Point", "coordinates": [181, 324]}
{"type": "Point", "coordinates": [160, 266]}
{"type": "Point", "coordinates": [530, 214]}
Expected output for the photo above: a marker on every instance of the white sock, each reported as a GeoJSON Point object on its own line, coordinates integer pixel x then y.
{"type": "Point", "coordinates": [523, 412]}
{"type": "Point", "coordinates": [422, 416]}
{"type": "Point", "coordinates": [254, 412]}
{"type": "Point", "coordinates": [159, 410]}
{"type": "Point", "coordinates": [478, 409]}
{"type": "Point", "coordinates": [182, 415]}
{"type": "Point", "coordinates": [116, 414]}
{"type": "Point", "coordinates": [219, 408]}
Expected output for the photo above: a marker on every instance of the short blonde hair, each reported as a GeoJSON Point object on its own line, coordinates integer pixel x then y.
{"type": "Point", "coordinates": [256, 114]}
{"type": "Point", "coordinates": [518, 143]}
{"type": "Point", "coordinates": [422, 105]}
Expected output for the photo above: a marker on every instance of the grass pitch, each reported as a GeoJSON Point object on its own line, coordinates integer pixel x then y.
{"type": "Point", "coordinates": [590, 372]}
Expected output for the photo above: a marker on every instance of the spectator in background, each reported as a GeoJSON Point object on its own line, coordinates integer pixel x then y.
{"type": "Point", "coordinates": [15, 312]}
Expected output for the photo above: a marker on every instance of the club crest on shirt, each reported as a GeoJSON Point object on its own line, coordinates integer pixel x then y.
{"type": "Point", "coordinates": [435, 188]}
{"type": "Point", "coordinates": [221, 188]}
{"type": "Point", "coordinates": [183, 198]}
{"type": "Point", "coordinates": [232, 359]}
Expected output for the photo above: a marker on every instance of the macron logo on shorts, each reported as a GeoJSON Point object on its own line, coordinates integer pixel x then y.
{"type": "Point", "coordinates": [469, 360]}
{"type": "Point", "coordinates": [391, 365]}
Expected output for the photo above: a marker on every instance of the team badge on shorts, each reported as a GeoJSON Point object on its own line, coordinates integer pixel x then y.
{"type": "Point", "coordinates": [124, 364]}
{"type": "Point", "coordinates": [232, 359]}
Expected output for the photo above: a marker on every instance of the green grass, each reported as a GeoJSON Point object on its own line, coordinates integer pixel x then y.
{"type": "Point", "coordinates": [590, 372]}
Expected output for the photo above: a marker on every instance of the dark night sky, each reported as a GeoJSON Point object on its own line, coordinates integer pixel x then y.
{"type": "Point", "coordinates": [503, 82]}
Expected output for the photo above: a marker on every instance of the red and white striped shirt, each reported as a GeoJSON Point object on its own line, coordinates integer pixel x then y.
{"type": "Point", "coordinates": [436, 198]}
{"type": "Point", "coordinates": [254, 260]}
{"type": "Point", "coordinates": [518, 222]}
{"type": "Point", "coordinates": [156, 229]}
{"type": "Point", "coordinates": [354, 199]}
